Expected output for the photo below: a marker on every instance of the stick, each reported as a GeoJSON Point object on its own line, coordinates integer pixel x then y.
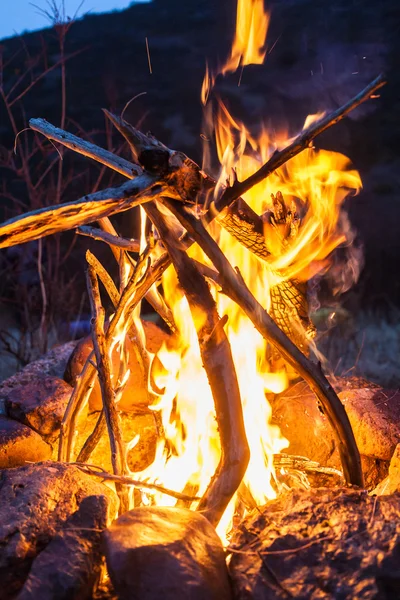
{"type": "Point", "coordinates": [104, 277]}
{"type": "Point", "coordinates": [124, 480]}
{"type": "Point", "coordinates": [108, 238]}
{"type": "Point", "coordinates": [107, 391]}
{"type": "Point", "coordinates": [77, 401]}
{"type": "Point", "coordinates": [234, 286]}
{"type": "Point", "coordinates": [94, 438]}
{"type": "Point", "coordinates": [118, 164]}
{"type": "Point", "coordinates": [53, 219]}
{"type": "Point", "coordinates": [300, 143]}
{"type": "Point", "coordinates": [221, 373]}
{"type": "Point", "coordinates": [153, 297]}
{"type": "Point", "coordinates": [131, 296]}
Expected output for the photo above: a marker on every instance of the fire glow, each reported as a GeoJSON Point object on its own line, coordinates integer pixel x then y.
{"type": "Point", "coordinates": [274, 211]}
{"type": "Point", "coordinates": [314, 185]}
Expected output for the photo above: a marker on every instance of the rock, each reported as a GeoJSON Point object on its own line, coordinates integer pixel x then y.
{"type": "Point", "coordinates": [319, 543]}
{"type": "Point", "coordinates": [51, 364]}
{"type": "Point", "coordinates": [169, 553]}
{"type": "Point", "coordinates": [19, 444]}
{"type": "Point", "coordinates": [374, 414]}
{"type": "Point", "coordinates": [391, 483]}
{"type": "Point", "coordinates": [35, 502]}
{"type": "Point", "coordinates": [41, 404]}
{"type": "Point", "coordinates": [302, 423]}
{"type": "Point", "coordinates": [136, 393]}
{"type": "Point", "coordinates": [69, 566]}
{"type": "Point", "coordinates": [146, 425]}
{"type": "Point", "coordinates": [375, 418]}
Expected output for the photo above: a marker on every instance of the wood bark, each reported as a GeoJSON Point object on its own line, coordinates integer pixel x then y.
{"type": "Point", "coordinates": [61, 217]}
{"type": "Point", "coordinates": [218, 363]}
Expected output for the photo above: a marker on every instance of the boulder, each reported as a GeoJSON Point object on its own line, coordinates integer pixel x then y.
{"type": "Point", "coordinates": [69, 567]}
{"type": "Point", "coordinates": [319, 543]}
{"type": "Point", "coordinates": [35, 502]}
{"type": "Point", "coordinates": [374, 414]}
{"type": "Point", "coordinates": [146, 425]}
{"type": "Point", "coordinates": [391, 483]}
{"type": "Point", "coordinates": [136, 394]}
{"type": "Point", "coordinates": [41, 404]}
{"type": "Point", "coordinates": [52, 364]}
{"type": "Point", "coordinates": [169, 553]}
{"type": "Point", "coordinates": [19, 444]}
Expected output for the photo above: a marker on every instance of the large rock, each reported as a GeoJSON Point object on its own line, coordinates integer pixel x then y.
{"type": "Point", "coordinates": [19, 445]}
{"type": "Point", "coordinates": [40, 404]}
{"type": "Point", "coordinates": [375, 418]}
{"type": "Point", "coordinates": [391, 483]}
{"type": "Point", "coordinates": [51, 364]}
{"type": "Point", "coordinates": [69, 567]}
{"type": "Point", "coordinates": [146, 425]}
{"type": "Point", "coordinates": [169, 553]}
{"type": "Point", "coordinates": [320, 543]}
{"type": "Point", "coordinates": [374, 414]}
{"type": "Point", "coordinates": [135, 395]}
{"type": "Point", "coordinates": [35, 502]}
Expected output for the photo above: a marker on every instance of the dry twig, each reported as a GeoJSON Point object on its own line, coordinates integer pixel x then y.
{"type": "Point", "coordinates": [104, 370]}
{"type": "Point", "coordinates": [125, 480]}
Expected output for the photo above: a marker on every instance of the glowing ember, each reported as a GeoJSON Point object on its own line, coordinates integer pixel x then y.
{"type": "Point", "coordinates": [307, 194]}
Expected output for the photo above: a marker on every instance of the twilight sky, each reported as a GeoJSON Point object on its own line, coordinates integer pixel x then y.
{"type": "Point", "coordinates": [17, 16]}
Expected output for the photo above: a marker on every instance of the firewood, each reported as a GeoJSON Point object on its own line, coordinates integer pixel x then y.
{"type": "Point", "coordinates": [132, 295]}
{"type": "Point", "coordinates": [61, 217]}
{"type": "Point", "coordinates": [125, 480]}
{"type": "Point", "coordinates": [233, 285]}
{"type": "Point", "coordinates": [117, 446]}
{"type": "Point", "coordinates": [153, 297]}
{"type": "Point", "coordinates": [116, 163]}
{"type": "Point", "coordinates": [218, 363]}
{"type": "Point", "coordinates": [108, 238]}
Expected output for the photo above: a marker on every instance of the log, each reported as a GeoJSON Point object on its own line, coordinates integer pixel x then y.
{"type": "Point", "coordinates": [116, 163]}
{"type": "Point", "coordinates": [218, 363]}
{"type": "Point", "coordinates": [233, 285]}
{"type": "Point", "coordinates": [53, 219]}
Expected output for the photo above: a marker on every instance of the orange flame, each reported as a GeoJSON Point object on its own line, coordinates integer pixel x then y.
{"type": "Point", "coordinates": [251, 31]}
{"type": "Point", "coordinates": [314, 185]}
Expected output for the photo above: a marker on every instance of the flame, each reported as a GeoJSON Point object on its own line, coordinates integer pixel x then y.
{"type": "Point", "coordinates": [301, 207]}
{"type": "Point", "coordinates": [251, 31]}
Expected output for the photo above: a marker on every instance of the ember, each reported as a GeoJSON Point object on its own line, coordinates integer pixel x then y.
{"type": "Point", "coordinates": [233, 247]}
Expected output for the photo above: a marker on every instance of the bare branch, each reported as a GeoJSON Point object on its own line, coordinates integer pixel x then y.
{"type": "Point", "coordinates": [234, 286]}
{"type": "Point", "coordinates": [300, 143]}
{"type": "Point", "coordinates": [88, 149]}
{"type": "Point", "coordinates": [52, 219]}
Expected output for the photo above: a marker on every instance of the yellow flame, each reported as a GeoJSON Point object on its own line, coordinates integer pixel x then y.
{"type": "Point", "coordinates": [251, 31]}
{"type": "Point", "coordinates": [299, 238]}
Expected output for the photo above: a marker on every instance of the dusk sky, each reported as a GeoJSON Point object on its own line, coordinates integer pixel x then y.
{"type": "Point", "coordinates": [17, 16]}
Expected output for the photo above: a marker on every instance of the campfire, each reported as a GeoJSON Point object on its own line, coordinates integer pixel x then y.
{"type": "Point", "coordinates": [224, 258]}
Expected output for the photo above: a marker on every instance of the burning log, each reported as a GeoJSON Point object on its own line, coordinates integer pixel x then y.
{"type": "Point", "coordinates": [234, 286]}
{"type": "Point", "coordinates": [221, 373]}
